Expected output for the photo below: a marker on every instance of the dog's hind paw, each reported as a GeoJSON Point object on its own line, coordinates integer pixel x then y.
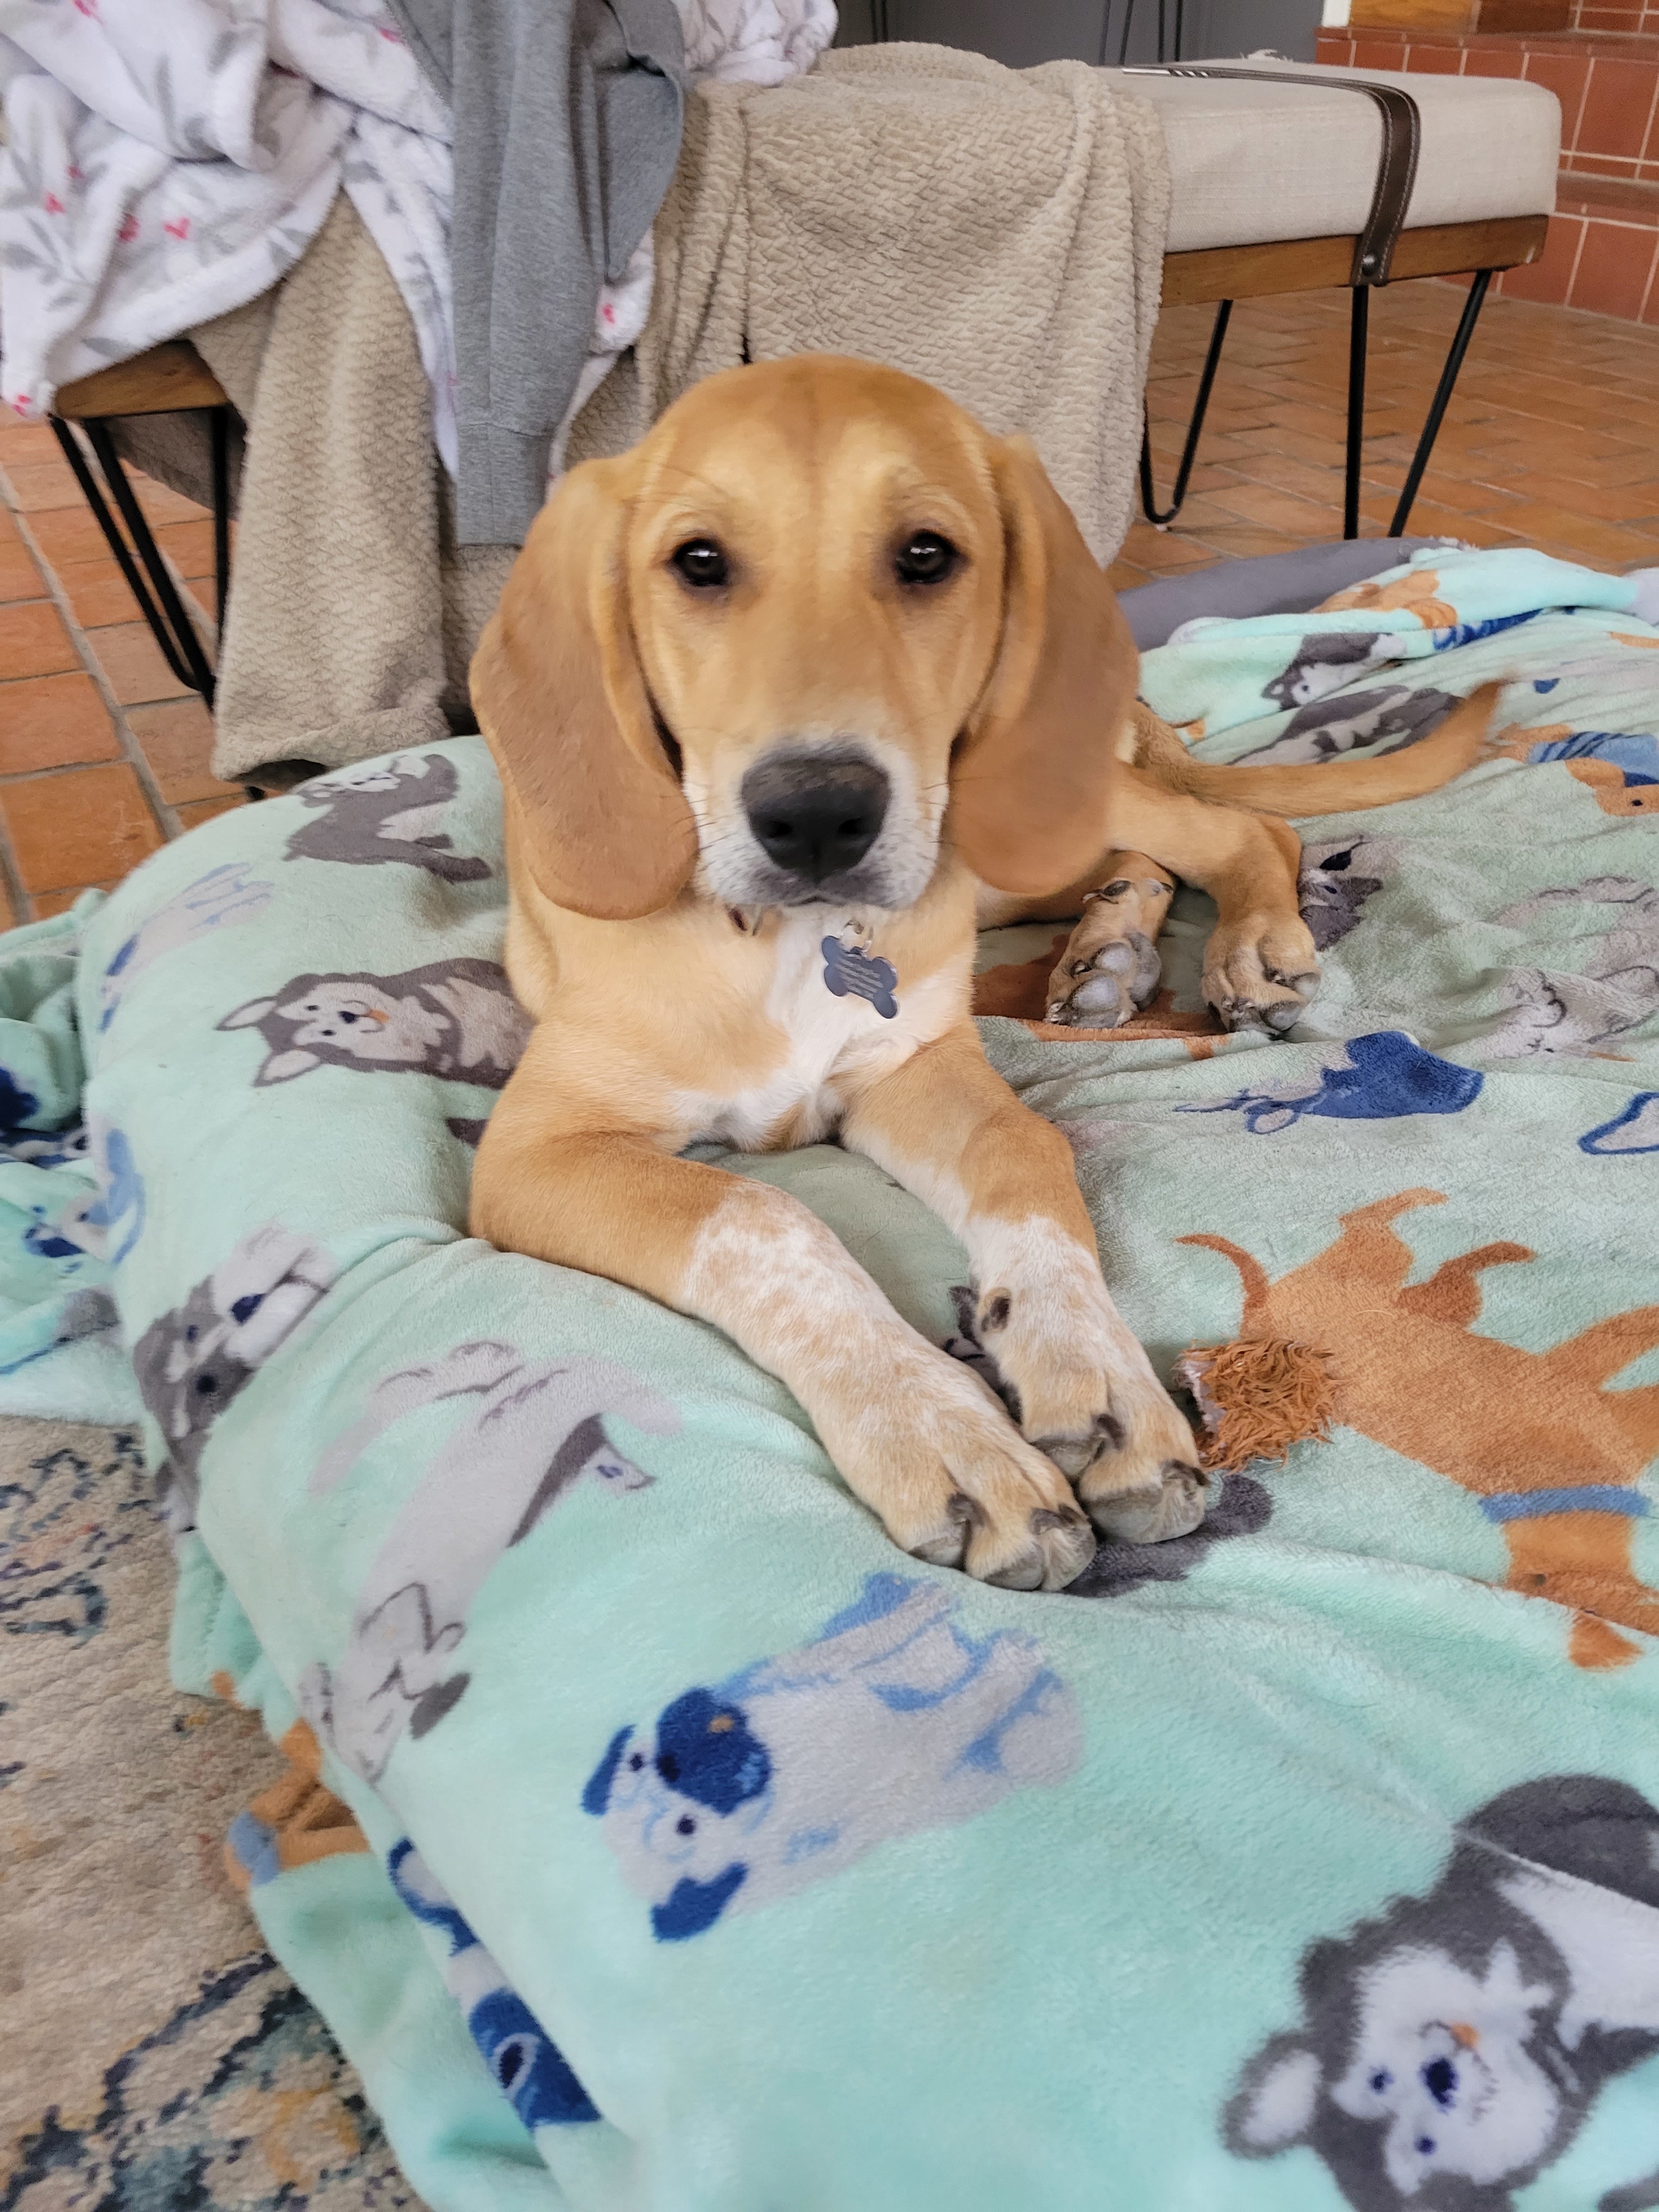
{"type": "Point", "coordinates": [1106, 988]}
{"type": "Point", "coordinates": [1261, 979]}
{"type": "Point", "coordinates": [1109, 968]}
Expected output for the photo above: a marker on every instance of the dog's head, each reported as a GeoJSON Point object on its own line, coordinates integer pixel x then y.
{"type": "Point", "coordinates": [818, 626]}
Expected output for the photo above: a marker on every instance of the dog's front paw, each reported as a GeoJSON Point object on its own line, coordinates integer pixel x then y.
{"type": "Point", "coordinates": [1109, 968]}
{"type": "Point", "coordinates": [1261, 976]}
{"type": "Point", "coordinates": [1085, 1392]}
{"type": "Point", "coordinates": [954, 1483]}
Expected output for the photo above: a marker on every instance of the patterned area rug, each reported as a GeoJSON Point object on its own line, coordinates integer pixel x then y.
{"type": "Point", "coordinates": [155, 2056]}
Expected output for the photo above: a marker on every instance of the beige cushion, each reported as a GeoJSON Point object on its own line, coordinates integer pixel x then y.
{"type": "Point", "coordinates": [1251, 163]}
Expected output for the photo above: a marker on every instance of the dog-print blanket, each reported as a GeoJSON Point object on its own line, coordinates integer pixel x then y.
{"type": "Point", "coordinates": [699, 1853]}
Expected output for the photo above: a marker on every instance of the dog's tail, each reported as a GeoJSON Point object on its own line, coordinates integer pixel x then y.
{"type": "Point", "coordinates": [1337, 787]}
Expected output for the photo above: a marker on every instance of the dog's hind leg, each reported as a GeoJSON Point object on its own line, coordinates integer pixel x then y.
{"type": "Point", "coordinates": [1261, 967]}
{"type": "Point", "coordinates": [1109, 968]}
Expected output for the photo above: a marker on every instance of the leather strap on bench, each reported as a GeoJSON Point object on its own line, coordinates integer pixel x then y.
{"type": "Point", "coordinates": [1396, 173]}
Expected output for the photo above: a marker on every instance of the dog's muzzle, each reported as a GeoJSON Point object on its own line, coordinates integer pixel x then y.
{"type": "Point", "coordinates": [815, 813]}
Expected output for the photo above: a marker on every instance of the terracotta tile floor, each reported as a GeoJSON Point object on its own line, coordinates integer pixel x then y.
{"type": "Point", "coordinates": [102, 757]}
{"type": "Point", "coordinates": [1548, 440]}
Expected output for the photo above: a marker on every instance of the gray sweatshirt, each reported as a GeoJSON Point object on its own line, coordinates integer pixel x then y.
{"type": "Point", "coordinates": [566, 130]}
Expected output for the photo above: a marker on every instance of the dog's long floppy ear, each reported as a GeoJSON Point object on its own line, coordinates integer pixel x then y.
{"type": "Point", "coordinates": [559, 694]}
{"type": "Point", "coordinates": [1033, 775]}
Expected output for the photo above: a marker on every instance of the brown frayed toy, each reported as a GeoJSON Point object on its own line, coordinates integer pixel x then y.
{"type": "Point", "coordinates": [1256, 1398]}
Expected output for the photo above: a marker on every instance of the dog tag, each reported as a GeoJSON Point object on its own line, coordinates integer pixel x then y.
{"type": "Point", "coordinates": [846, 970]}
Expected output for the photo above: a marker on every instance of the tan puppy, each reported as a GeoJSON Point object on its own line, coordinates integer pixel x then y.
{"type": "Point", "coordinates": [773, 696]}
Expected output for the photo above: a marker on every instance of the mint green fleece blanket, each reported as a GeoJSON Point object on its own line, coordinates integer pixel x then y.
{"type": "Point", "coordinates": [724, 1860]}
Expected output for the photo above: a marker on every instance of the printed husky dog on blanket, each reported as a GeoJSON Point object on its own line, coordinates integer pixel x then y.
{"type": "Point", "coordinates": [194, 1360]}
{"type": "Point", "coordinates": [388, 810]}
{"type": "Point", "coordinates": [535, 1430]}
{"type": "Point", "coordinates": [1337, 877]}
{"type": "Point", "coordinates": [894, 1718]}
{"type": "Point", "coordinates": [1555, 1013]}
{"type": "Point", "coordinates": [1324, 661]}
{"type": "Point", "coordinates": [1454, 2046]}
{"type": "Point", "coordinates": [1390, 718]}
{"type": "Point", "coordinates": [457, 1019]}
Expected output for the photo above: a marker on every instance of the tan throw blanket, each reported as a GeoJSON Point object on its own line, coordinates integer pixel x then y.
{"type": "Point", "coordinates": [352, 614]}
{"type": "Point", "coordinates": [998, 232]}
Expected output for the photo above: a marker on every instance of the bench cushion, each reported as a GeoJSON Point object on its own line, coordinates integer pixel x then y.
{"type": "Point", "coordinates": [1251, 163]}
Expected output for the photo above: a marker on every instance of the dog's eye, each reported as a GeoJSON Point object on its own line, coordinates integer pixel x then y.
{"type": "Point", "coordinates": [925, 557]}
{"type": "Point", "coordinates": [701, 562]}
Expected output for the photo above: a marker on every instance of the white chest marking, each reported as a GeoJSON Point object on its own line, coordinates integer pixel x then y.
{"type": "Point", "coordinates": [834, 1042]}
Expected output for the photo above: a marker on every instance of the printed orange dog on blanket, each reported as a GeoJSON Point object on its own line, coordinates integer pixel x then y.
{"type": "Point", "coordinates": [1412, 595]}
{"type": "Point", "coordinates": [293, 1823]}
{"type": "Point", "coordinates": [1413, 1374]}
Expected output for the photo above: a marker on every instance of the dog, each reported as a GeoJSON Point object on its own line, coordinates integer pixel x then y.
{"type": "Point", "coordinates": [810, 682]}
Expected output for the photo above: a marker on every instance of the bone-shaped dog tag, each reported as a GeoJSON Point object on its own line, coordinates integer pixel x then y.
{"type": "Point", "coordinates": [846, 970]}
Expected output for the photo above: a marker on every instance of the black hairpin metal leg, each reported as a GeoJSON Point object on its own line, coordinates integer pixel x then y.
{"type": "Point", "coordinates": [219, 436]}
{"type": "Point", "coordinates": [1443, 392]}
{"type": "Point", "coordinates": [155, 590]}
{"type": "Point", "coordinates": [1164, 53]}
{"type": "Point", "coordinates": [1149, 506]}
{"type": "Point", "coordinates": [1358, 329]}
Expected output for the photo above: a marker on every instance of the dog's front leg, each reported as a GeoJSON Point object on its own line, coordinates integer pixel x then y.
{"type": "Point", "coordinates": [915, 1435]}
{"type": "Point", "coordinates": [950, 1129]}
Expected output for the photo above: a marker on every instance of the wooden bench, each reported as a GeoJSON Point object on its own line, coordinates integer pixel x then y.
{"type": "Point", "coordinates": [167, 379]}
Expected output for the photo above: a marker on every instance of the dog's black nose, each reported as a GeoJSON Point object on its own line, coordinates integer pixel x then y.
{"type": "Point", "coordinates": [816, 813]}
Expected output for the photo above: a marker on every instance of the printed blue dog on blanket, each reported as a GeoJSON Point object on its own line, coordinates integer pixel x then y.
{"type": "Point", "coordinates": [226, 897]}
{"type": "Point", "coordinates": [529, 2067]}
{"type": "Point", "coordinates": [1453, 2047]}
{"type": "Point", "coordinates": [895, 1718]}
{"type": "Point", "coordinates": [1377, 1078]}
{"type": "Point", "coordinates": [1635, 1130]}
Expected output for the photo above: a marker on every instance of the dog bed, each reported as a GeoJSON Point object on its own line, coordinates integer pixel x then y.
{"type": "Point", "coordinates": [703, 1854]}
